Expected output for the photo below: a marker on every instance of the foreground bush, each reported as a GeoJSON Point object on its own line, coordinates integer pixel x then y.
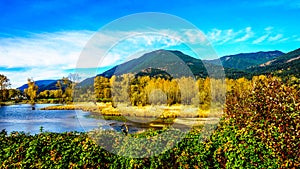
{"type": "Point", "coordinates": [77, 150]}
{"type": "Point", "coordinates": [260, 129]}
{"type": "Point", "coordinates": [269, 112]}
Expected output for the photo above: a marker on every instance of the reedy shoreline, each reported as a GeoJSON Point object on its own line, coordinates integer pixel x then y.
{"type": "Point", "coordinates": [158, 111]}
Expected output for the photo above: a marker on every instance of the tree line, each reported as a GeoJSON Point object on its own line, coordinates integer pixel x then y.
{"type": "Point", "coordinates": [144, 90]}
{"type": "Point", "coordinates": [63, 93]}
{"type": "Point", "coordinates": [132, 90]}
{"type": "Point", "coordinates": [6, 93]}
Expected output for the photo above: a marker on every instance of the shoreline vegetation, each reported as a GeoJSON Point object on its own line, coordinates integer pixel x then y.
{"type": "Point", "coordinates": [158, 111]}
{"type": "Point", "coordinates": [154, 116]}
{"type": "Point", "coordinates": [7, 103]}
{"type": "Point", "coordinates": [259, 127]}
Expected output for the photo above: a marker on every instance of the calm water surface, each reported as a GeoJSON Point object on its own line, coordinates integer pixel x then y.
{"type": "Point", "coordinates": [21, 117]}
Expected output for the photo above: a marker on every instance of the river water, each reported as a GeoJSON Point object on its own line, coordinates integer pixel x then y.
{"type": "Point", "coordinates": [21, 117]}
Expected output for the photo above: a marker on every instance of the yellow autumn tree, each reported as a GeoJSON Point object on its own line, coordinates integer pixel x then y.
{"type": "Point", "coordinates": [32, 89]}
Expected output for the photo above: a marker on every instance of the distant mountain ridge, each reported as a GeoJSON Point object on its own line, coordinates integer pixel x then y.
{"type": "Point", "coordinates": [171, 64]}
{"type": "Point", "coordinates": [287, 64]}
{"type": "Point", "coordinates": [245, 61]}
{"type": "Point", "coordinates": [166, 60]}
{"type": "Point", "coordinates": [235, 66]}
{"type": "Point", "coordinates": [42, 84]}
{"type": "Point", "coordinates": [175, 63]}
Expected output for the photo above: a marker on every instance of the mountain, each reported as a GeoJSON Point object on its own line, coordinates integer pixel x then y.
{"type": "Point", "coordinates": [170, 63]}
{"type": "Point", "coordinates": [156, 73]}
{"type": "Point", "coordinates": [166, 60]}
{"type": "Point", "coordinates": [86, 82]}
{"type": "Point", "coordinates": [287, 64]}
{"type": "Point", "coordinates": [42, 84]}
{"type": "Point", "coordinates": [245, 61]}
{"type": "Point", "coordinates": [178, 64]}
{"type": "Point", "coordinates": [284, 59]}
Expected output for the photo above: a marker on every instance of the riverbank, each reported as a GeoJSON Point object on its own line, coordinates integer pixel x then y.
{"type": "Point", "coordinates": [156, 111]}
{"type": "Point", "coordinates": [7, 103]}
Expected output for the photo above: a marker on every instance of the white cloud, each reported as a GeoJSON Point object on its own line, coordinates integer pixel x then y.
{"type": "Point", "coordinates": [48, 55]}
{"type": "Point", "coordinates": [43, 50]}
{"type": "Point", "coordinates": [269, 28]}
{"type": "Point", "coordinates": [45, 56]}
{"type": "Point", "coordinates": [19, 78]}
{"type": "Point", "coordinates": [111, 47]}
{"type": "Point", "coordinates": [260, 39]}
{"type": "Point", "coordinates": [110, 59]}
{"type": "Point", "coordinates": [62, 49]}
{"type": "Point", "coordinates": [134, 46]}
{"type": "Point", "coordinates": [275, 38]}
{"type": "Point", "coordinates": [228, 35]}
{"type": "Point", "coordinates": [284, 39]}
{"type": "Point", "coordinates": [267, 33]}
{"type": "Point", "coordinates": [248, 35]}
{"type": "Point", "coordinates": [194, 36]}
{"type": "Point", "coordinates": [215, 35]}
{"type": "Point", "coordinates": [219, 37]}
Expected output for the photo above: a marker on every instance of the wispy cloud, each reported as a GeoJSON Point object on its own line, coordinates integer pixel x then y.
{"type": "Point", "coordinates": [219, 37]}
{"type": "Point", "coordinates": [43, 50]}
{"type": "Point", "coordinates": [275, 38]}
{"type": "Point", "coordinates": [268, 29]}
{"type": "Point", "coordinates": [42, 56]}
{"type": "Point", "coordinates": [116, 47]}
{"type": "Point", "coordinates": [260, 39]}
{"type": "Point", "coordinates": [271, 36]}
{"type": "Point", "coordinates": [248, 34]}
{"type": "Point", "coordinates": [49, 55]}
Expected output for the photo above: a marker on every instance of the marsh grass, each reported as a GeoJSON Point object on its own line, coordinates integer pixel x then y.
{"type": "Point", "coordinates": [149, 111]}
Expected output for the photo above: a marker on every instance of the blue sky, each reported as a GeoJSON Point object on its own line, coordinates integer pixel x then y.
{"type": "Point", "coordinates": [43, 39]}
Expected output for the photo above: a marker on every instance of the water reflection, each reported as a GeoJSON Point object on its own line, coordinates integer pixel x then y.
{"type": "Point", "coordinates": [21, 117]}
